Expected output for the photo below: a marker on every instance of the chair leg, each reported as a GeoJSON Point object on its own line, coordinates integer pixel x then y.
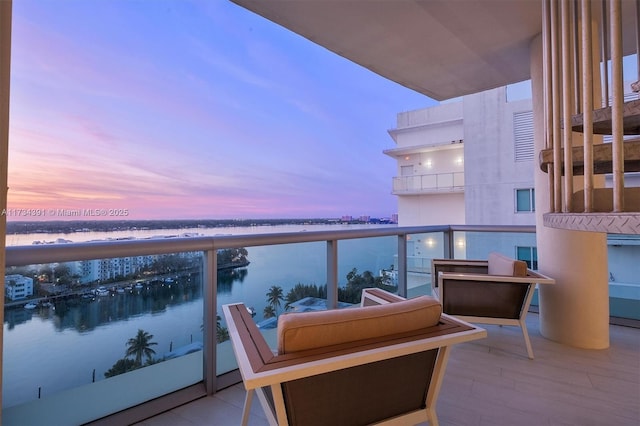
{"type": "Point", "coordinates": [268, 406]}
{"type": "Point", "coordinates": [247, 406]}
{"type": "Point", "coordinates": [525, 333]}
{"type": "Point", "coordinates": [432, 417]}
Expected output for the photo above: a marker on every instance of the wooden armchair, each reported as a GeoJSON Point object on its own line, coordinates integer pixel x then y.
{"type": "Point", "coordinates": [382, 362]}
{"type": "Point", "coordinates": [494, 291]}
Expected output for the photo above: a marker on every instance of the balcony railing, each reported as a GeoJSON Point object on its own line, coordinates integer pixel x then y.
{"type": "Point", "coordinates": [429, 183]}
{"type": "Point", "coordinates": [143, 392]}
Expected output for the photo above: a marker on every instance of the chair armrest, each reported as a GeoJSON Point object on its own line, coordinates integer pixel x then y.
{"type": "Point", "coordinates": [531, 278]}
{"type": "Point", "coordinates": [378, 296]}
{"type": "Point", "coordinates": [251, 349]}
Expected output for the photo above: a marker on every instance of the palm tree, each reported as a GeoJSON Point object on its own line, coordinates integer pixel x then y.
{"type": "Point", "coordinates": [139, 346]}
{"type": "Point", "coordinates": [268, 312]}
{"type": "Point", "coordinates": [274, 297]}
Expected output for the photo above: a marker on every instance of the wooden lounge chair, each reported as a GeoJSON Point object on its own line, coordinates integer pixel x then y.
{"type": "Point", "coordinates": [382, 362]}
{"type": "Point", "coordinates": [493, 291]}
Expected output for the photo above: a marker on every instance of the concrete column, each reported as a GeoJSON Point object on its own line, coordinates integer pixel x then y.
{"type": "Point", "coordinates": [574, 311]}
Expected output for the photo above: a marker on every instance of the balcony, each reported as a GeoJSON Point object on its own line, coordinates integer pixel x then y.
{"type": "Point", "coordinates": [487, 380]}
{"type": "Point", "coordinates": [436, 183]}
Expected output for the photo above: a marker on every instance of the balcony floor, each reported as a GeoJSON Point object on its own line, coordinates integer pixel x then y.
{"type": "Point", "coordinates": [492, 382]}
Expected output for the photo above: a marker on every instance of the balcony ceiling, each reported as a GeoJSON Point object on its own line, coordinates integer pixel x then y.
{"type": "Point", "coordinates": [440, 48]}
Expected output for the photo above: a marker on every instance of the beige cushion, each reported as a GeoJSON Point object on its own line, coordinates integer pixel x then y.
{"type": "Point", "coordinates": [503, 265]}
{"type": "Point", "coordinates": [310, 330]}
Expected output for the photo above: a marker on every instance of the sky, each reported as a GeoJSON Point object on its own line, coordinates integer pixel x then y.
{"type": "Point", "coordinates": [170, 109]}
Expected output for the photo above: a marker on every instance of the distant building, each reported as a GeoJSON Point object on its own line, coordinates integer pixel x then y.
{"type": "Point", "coordinates": [17, 287]}
{"type": "Point", "coordinates": [105, 269]}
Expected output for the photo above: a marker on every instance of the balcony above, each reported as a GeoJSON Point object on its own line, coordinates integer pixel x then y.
{"type": "Point", "coordinates": [437, 183]}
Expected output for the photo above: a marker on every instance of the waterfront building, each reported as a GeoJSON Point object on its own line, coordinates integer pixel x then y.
{"type": "Point", "coordinates": [18, 287]}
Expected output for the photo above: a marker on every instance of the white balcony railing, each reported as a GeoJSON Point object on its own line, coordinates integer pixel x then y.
{"type": "Point", "coordinates": [429, 183]}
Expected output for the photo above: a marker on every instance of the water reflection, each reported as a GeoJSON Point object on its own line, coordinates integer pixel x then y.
{"type": "Point", "coordinates": [84, 314]}
{"type": "Point", "coordinates": [228, 277]}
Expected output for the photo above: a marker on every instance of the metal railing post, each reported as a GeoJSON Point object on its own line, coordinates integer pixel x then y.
{"type": "Point", "coordinates": [402, 265]}
{"type": "Point", "coordinates": [448, 244]}
{"type": "Point", "coordinates": [210, 285]}
{"type": "Point", "coordinates": [332, 274]}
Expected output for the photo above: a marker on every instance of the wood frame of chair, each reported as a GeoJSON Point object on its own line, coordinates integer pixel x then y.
{"type": "Point", "coordinates": [374, 364]}
{"type": "Point", "coordinates": [468, 292]}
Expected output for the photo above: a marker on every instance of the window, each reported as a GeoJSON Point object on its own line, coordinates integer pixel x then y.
{"type": "Point", "coordinates": [529, 255]}
{"type": "Point", "coordinates": [525, 200]}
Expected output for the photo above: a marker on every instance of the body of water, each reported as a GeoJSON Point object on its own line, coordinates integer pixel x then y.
{"type": "Point", "coordinates": [47, 350]}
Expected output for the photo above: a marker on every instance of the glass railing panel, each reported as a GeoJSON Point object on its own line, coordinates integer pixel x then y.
{"type": "Point", "coordinates": [421, 249]}
{"type": "Point", "coordinates": [458, 179]}
{"type": "Point", "coordinates": [623, 252]}
{"type": "Point", "coordinates": [445, 180]}
{"type": "Point", "coordinates": [275, 280]}
{"type": "Point", "coordinates": [517, 245]}
{"type": "Point", "coordinates": [366, 262]}
{"type": "Point", "coordinates": [478, 245]}
{"type": "Point", "coordinates": [292, 278]}
{"type": "Point", "coordinates": [76, 332]}
{"type": "Point", "coordinates": [429, 182]}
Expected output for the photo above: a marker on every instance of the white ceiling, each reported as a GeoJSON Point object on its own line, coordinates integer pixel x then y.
{"type": "Point", "coordinates": [441, 48]}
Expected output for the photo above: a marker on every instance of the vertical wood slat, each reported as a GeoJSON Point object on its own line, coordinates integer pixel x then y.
{"type": "Point", "coordinates": [577, 43]}
{"type": "Point", "coordinates": [548, 94]}
{"type": "Point", "coordinates": [605, 55]}
{"type": "Point", "coordinates": [638, 39]}
{"type": "Point", "coordinates": [587, 103]}
{"type": "Point", "coordinates": [567, 110]}
{"type": "Point", "coordinates": [615, 23]}
{"type": "Point", "coordinates": [555, 89]}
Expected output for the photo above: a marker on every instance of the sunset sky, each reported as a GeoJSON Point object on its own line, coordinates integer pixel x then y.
{"type": "Point", "coordinates": [192, 109]}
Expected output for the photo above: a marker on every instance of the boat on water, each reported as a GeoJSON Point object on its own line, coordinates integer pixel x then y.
{"type": "Point", "coordinates": [30, 305]}
{"type": "Point", "coordinates": [102, 291]}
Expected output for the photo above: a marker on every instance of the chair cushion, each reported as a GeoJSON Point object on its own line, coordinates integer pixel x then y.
{"type": "Point", "coordinates": [503, 265]}
{"type": "Point", "coordinates": [311, 330]}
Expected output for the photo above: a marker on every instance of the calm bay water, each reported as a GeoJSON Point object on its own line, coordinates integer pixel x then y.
{"type": "Point", "coordinates": [48, 350]}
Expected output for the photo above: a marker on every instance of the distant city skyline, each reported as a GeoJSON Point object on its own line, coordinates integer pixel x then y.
{"type": "Point", "coordinates": [191, 110]}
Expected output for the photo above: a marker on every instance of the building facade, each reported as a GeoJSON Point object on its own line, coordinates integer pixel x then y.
{"type": "Point", "coordinates": [486, 141]}
{"type": "Point", "coordinates": [17, 287]}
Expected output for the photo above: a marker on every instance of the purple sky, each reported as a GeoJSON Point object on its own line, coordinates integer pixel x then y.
{"type": "Point", "coordinates": [192, 109]}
